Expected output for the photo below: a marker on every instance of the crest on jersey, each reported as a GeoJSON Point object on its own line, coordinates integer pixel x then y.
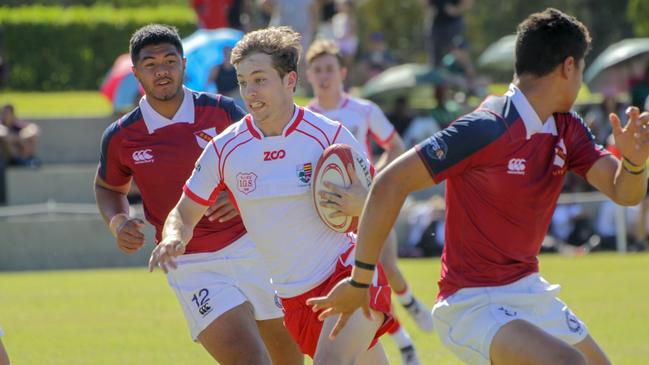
{"type": "Point", "coordinates": [304, 172]}
{"type": "Point", "coordinates": [246, 182]}
{"type": "Point", "coordinates": [205, 136]}
{"type": "Point", "coordinates": [435, 147]}
{"type": "Point", "coordinates": [560, 158]}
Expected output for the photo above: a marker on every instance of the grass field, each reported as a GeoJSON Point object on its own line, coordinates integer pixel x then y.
{"type": "Point", "coordinates": [127, 316]}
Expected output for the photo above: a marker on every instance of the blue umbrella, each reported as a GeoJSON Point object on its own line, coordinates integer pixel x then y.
{"type": "Point", "coordinates": [204, 50]}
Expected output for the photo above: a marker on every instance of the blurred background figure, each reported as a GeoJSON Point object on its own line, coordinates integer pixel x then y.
{"type": "Point", "coordinates": [345, 28]}
{"type": "Point", "coordinates": [597, 116]}
{"type": "Point", "coordinates": [224, 77]}
{"type": "Point", "coordinates": [18, 139]}
{"type": "Point", "coordinates": [212, 14]}
{"type": "Point", "coordinates": [376, 58]}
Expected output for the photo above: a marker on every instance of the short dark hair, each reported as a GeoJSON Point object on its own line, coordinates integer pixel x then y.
{"type": "Point", "coordinates": [154, 34]}
{"type": "Point", "coordinates": [544, 40]}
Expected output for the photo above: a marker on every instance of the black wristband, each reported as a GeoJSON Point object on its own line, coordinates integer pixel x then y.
{"type": "Point", "coordinates": [356, 284]}
{"type": "Point", "coordinates": [629, 162]}
{"type": "Point", "coordinates": [364, 265]}
{"type": "Point", "coordinates": [631, 171]}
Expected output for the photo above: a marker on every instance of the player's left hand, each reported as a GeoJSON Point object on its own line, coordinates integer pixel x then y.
{"type": "Point", "coordinates": [343, 300]}
{"type": "Point", "coordinates": [164, 253]}
{"type": "Point", "coordinates": [346, 201]}
{"type": "Point", "coordinates": [633, 139]}
{"type": "Point", "coordinates": [222, 210]}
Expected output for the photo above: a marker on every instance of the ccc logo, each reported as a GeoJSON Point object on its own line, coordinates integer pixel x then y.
{"type": "Point", "coordinates": [142, 155]}
{"type": "Point", "coordinates": [516, 166]}
{"type": "Point", "coordinates": [274, 155]}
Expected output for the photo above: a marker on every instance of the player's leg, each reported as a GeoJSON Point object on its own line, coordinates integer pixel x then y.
{"type": "Point", "coordinates": [4, 357]}
{"type": "Point", "coordinates": [594, 354]}
{"type": "Point", "coordinates": [417, 310]}
{"type": "Point", "coordinates": [351, 343]}
{"type": "Point", "coordinates": [280, 344]}
{"type": "Point", "coordinates": [522, 343]}
{"type": "Point", "coordinates": [233, 338]}
{"type": "Point", "coordinates": [407, 348]}
{"type": "Point", "coordinates": [373, 356]}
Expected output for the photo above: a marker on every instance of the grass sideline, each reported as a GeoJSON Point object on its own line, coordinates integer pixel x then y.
{"type": "Point", "coordinates": [34, 105]}
{"type": "Point", "coordinates": [126, 316]}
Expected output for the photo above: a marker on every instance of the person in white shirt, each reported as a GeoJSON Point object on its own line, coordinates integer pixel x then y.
{"type": "Point", "coordinates": [265, 161]}
{"type": "Point", "coordinates": [326, 73]}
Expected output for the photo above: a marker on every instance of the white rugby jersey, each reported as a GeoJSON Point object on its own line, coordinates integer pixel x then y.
{"type": "Point", "coordinates": [362, 117]}
{"type": "Point", "coordinates": [270, 180]}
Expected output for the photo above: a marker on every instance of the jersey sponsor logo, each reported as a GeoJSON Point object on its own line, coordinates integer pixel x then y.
{"type": "Point", "coordinates": [560, 158]}
{"type": "Point", "coordinates": [516, 166]}
{"type": "Point", "coordinates": [304, 172]}
{"type": "Point", "coordinates": [436, 148]}
{"type": "Point", "coordinates": [203, 137]}
{"type": "Point", "coordinates": [246, 182]}
{"type": "Point", "coordinates": [202, 301]}
{"type": "Point", "coordinates": [274, 155]}
{"type": "Point", "coordinates": [143, 156]}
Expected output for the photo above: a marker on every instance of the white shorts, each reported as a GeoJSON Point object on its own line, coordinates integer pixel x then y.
{"type": "Point", "coordinates": [468, 320]}
{"type": "Point", "coordinates": [209, 284]}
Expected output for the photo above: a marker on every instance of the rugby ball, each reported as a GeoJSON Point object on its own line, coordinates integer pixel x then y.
{"type": "Point", "coordinates": [331, 167]}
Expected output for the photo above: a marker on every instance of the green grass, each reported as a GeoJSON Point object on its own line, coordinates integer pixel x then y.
{"type": "Point", "coordinates": [127, 316]}
{"type": "Point", "coordinates": [66, 104]}
{"type": "Point", "coordinates": [57, 104]}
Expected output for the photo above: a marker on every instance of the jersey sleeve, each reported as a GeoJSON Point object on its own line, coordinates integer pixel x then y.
{"type": "Point", "coordinates": [111, 169]}
{"type": "Point", "coordinates": [581, 147]}
{"type": "Point", "coordinates": [346, 137]}
{"type": "Point", "coordinates": [231, 108]}
{"type": "Point", "coordinates": [452, 150]}
{"type": "Point", "coordinates": [380, 127]}
{"type": "Point", "coordinates": [205, 181]}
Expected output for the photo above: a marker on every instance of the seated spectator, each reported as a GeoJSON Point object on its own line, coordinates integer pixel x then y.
{"type": "Point", "coordinates": [377, 57]}
{"type": "Point", "coordinates": [18, 139]}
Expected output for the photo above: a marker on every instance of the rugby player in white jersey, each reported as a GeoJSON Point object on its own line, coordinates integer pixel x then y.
{"type": "Point", "coordinates": [266, 162]}
{"type": "Point", "coordinates": [366, 121]}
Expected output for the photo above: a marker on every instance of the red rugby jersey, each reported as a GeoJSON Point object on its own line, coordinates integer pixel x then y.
{"type": "Point", "coordinates": [160, 155]}
{"type": "Point", "coordinates": [504, 170]}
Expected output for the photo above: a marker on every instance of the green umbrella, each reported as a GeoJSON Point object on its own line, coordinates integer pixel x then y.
{"type": "Point", "coordinates": [619, 63]}
{"type": "Point", "coordinates": [499, 56]}
{"type": "Point", "coordinates": [401, 78]}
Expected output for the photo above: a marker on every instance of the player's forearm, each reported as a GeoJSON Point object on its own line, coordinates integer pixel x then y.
{"type": "Point", "coordinates": [381, 210]}
{"type": "Point", "coordinates": [630, 185]}
{"type": "Point", "coordinates": [177, 227]}
{"type": "Point", "coordinates": [110, 203]}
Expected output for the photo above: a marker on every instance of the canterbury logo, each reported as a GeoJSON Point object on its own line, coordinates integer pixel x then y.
{"type": "Point", "coordinates": [143, 156]}
{"type": "Point", "coordinates": [274, 155]}
{"type": "Point", "coordinates": [516, 166]}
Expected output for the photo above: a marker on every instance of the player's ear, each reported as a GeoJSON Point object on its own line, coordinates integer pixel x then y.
{"type": "Point", "coordinates": [291, 80]}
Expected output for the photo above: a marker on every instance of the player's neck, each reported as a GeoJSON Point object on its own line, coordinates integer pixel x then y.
{"type": "Point", "coordinates": [167, 108]}
{"type": "Point", "coordinates": [541, 94]}
{"type": "Point", "coordinates": [274, 125]}
{"type": "Point", "coordinates": [329, 101]}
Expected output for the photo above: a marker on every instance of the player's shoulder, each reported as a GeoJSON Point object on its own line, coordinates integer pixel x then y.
{"type": "Point", "coordinates": [359, 104]}
{"type": "Point", "coordinates": [237, 130]}
{"type": "Point", "coordinates": [314, 118]}
{"type": "Point", "coordinates": [131, 121]}
{"type": "Point", "coordinates": [205, 99]}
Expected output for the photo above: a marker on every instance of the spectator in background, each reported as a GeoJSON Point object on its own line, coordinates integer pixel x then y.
{"type": "Point", "coordinates": [224, 76]}
{"type": "Point", "coordinates": [640, 91]}
{"type": "Point", "coordinates": [377, 57]}
{"type": "Point", "coordinates": [212, 14]}
{"type": "Point", "coordinates": [400, 116]}
{"type": "Point", "coordinates": [448, 26]}
{"type": "Point", "coordinates": [18, 139]}
{"type": "Point", "coordinates": [597, 116]}
{"type": "Point", "coordinates": [345, 30]}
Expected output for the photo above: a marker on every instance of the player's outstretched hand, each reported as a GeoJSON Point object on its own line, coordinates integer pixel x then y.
{"type": "Point", "coordinates": [222, 210]}
{"type": "Point", "coordinates": [343, 300]}
{"type": "Point", "coordinates": [633, 139]}
{"type": "Point", "coordinates": [128, 232]}
{"type": "Point", "coordinates": [164, 254]}
{"type": "Point", "coordinates": [346, 201]}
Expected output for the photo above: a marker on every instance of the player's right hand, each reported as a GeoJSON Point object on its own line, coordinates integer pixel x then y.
{"type": "Point", "coordinates": [164, 253]}
{"type": "Point", "coordinates": [128, 233]}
